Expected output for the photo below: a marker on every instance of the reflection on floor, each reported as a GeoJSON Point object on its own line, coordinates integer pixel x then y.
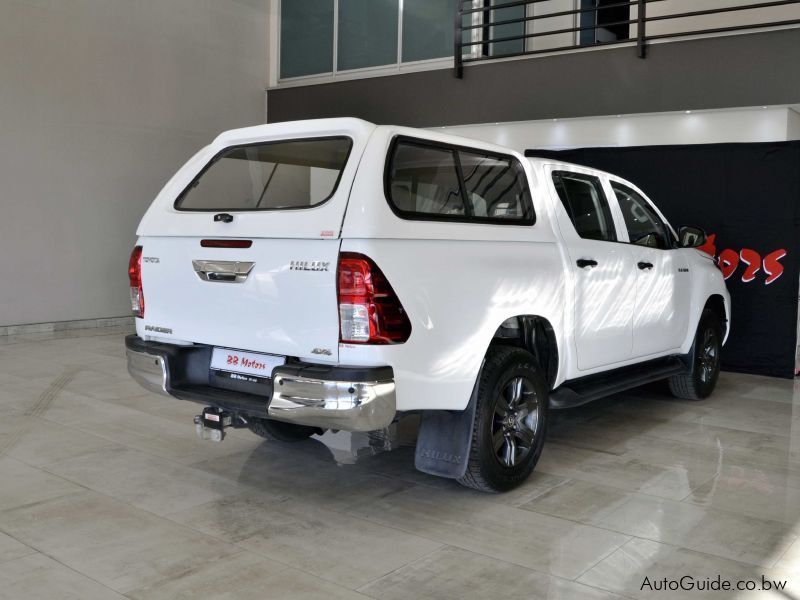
{"type": "Point", "coordinates": [107, 493]}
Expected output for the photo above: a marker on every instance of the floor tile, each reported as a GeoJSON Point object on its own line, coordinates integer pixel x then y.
{"type": "Point", "coordinates": [635, 570]}
{"type": "Point", "coordinates": [454, 573]}
{"type": "Point", "coordinates": [474, 522]}
{"type": "Point", "coordinates": [721, 533]}
{"type": "Point", "coordinates": [36, 577]}
{"type": "Point", "coordinates": [30, 485]}
{"type": "Point", "coordinates": [241, 575]}
{"type": "Point", "coordinates": [112, 542]}
{"type": "Point", "coordinates": [37, 441]}
{"type": "Point", "coordinates": [11, 549]}
{"type": "Point", "coordinates": [149, 482]}
{"type": "Point", "coordinates": [336, 547]}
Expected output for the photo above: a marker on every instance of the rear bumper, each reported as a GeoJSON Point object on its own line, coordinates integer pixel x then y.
{"type": "Point", "coordinates": [348, 398]}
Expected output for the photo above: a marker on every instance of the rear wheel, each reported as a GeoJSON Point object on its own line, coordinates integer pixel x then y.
{"type": "Point", "coordinates": [699, 382]}
{"type": "Point", "coordinates": [510, 421]}
{"type": "Point", "coordinates": [280, 431]}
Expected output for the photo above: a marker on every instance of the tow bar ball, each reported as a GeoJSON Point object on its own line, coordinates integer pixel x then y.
{"type": "Point", "coordinates": [212, 423]}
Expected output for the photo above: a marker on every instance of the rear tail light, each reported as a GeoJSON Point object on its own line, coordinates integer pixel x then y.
{"type": "Point", "coordinates": [369, 310]}
{"type": "Point", "coordinates": [135, 278]}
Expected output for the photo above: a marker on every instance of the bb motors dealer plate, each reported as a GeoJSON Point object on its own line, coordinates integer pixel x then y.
{"type": "Point", "coordinates": [244, 366]}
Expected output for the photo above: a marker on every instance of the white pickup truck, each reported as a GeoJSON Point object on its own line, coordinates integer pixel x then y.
{"type": "Point", "coordinates": [334, 274]}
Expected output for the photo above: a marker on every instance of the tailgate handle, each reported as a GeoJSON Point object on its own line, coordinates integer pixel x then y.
{"type": "Point", "coordinates": [223, 271]}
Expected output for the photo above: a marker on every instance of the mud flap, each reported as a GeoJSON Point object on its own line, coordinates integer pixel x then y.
{"type": "Point", "coordinates": [444, 440]}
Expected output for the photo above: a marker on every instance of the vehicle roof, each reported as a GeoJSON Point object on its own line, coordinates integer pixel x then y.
{"type": "Point", "coordinates": [359, 127]}
{"type": "Point", "coordinates": [544, 160]}
{"type": "Point", "coordinates": [340, 125]}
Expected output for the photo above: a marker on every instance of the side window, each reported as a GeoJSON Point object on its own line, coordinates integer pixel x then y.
{"type": "Point", "coordinates": [645, 227]}
{"type": "Point", "coordinates": [496, 187]}
{"type": "Point", "coordinates": [424, 180]}
{"type": "Point", "coordinates": [586, 205]}
{"type": "Point", "coordinates": [431, 182]}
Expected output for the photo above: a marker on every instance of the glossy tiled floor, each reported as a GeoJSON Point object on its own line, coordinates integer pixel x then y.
{"type": "Point", "coordinates": [106, 493]}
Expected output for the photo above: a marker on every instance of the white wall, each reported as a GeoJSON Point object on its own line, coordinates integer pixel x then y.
{"type": "Point", "coordinates": [559, 40]}
{"type": "Point", "coordinates": [794, 124]}
{"type": "Point", "coordinates": [100, 102]}
{"type": "Point", "coordinates": [701, 127]}
{"type": "Point", "coordinates": [729, 19]}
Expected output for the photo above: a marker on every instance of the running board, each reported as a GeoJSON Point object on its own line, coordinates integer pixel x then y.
{"type": "Point", "coordinates": [593, 387]}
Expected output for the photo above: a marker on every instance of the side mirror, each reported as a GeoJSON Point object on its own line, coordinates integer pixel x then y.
{"type": "Point", "coordinates": [691, 237]}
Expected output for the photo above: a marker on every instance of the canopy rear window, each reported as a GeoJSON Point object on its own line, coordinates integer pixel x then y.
{"type": "Point", "coordinates": [281, 175]}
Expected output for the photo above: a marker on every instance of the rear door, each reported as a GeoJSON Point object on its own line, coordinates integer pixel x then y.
{"type": "Point", "coordinates": [602, 271]}
{"type": "Point", "coordinates": [243, 253]}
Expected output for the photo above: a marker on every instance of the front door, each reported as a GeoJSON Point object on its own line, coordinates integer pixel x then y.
{"type": "Point", "coordinates": [663, 285]}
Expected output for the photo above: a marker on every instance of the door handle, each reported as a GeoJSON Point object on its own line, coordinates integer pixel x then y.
{"type": "Point", "coordinates": [586, 262]}
{"type": "Point", "coordinates": [222, 271]}
{"type": "Point", "coordinates": [645, 265]}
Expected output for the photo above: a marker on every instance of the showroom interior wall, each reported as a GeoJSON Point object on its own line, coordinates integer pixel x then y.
{"type": "Point", "coordinates": [695, 74]}
{"type": "Point", "coordinates": [101, 101]}
{"type": "Point", "coordinates": [742, 125]}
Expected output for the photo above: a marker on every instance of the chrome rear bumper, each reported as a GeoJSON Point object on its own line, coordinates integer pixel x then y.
{"type": "Point", "coordinates": [347, 398]}
{"type": "Point", "coordinates": [148, 370]}
{"type": "Point", "coordinates": [348, 405]}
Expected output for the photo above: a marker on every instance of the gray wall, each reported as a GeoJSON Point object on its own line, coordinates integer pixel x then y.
{"type": "Point", "coordinates": [100, 102]}
{"type": "Point", "coordinates": [721, 72]}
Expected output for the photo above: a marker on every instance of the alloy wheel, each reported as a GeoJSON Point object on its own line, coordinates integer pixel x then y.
{"type": "Point", "coordinates": [708, 355]}
{"type": "Point", "coordinates": [516, 422]}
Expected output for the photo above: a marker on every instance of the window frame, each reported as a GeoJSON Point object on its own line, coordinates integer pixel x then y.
{"type": "Point", "coordinates": [671, 238]}
{"type": "Point", "coordinates": [276, 80]}
{"type": "Point", "coordinates": [213, 160]}
{"type": "Point", "coordinates": [455, 149]}
{"type": "Point", "coordinates": [598, 182]}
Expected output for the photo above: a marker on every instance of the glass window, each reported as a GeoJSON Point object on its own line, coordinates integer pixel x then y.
{"type": "Point", "coordinates": [367, 33]}
{"type": "Point", "coordinates": [423, 182]}
{"type": "Point", "coordinates": [507, 30]}
{"type": "Point", "coordinates": [607, 23]}
{"type": "Point", "coordinates": [645, 227]}
{"type": "Point", "coordinates": [496, 187]}
{"type": "Point", "coordinates": [274, 175]}
{"type": "Point", "coordinates": [306, 38]}
{"type": "Point", "coordinates": [427, 29]}
{"type": "Point", "coordinates": [586, 205]}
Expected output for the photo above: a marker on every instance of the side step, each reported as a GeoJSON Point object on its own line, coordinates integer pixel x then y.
{"type": "Point", "coordinates": [593, 387]}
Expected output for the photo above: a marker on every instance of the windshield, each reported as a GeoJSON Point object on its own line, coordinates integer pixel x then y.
{"type": "Point", "coordinates": [269, 176]}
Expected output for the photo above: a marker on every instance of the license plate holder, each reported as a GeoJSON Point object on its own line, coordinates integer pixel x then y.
{"type": "Point", "coordinates": [243, 365]}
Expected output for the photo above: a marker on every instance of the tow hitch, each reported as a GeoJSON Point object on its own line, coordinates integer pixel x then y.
{"type": "Point", "coordinates": [212, 423]}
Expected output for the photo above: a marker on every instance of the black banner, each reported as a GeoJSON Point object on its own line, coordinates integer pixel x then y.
{"type": "Point", "coordinates": [747, 197]}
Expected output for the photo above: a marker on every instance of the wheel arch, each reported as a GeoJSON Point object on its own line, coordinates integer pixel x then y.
{"type": "Point", "coordinates": [535, 334]}
{"type": "Point", "coordinates": [716, 304]}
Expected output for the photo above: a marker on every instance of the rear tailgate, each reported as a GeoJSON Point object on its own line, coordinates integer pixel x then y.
{"type": "Point", "coordinates": [277, 294]}
{"type": "Point", "coordinates": [278, 308]}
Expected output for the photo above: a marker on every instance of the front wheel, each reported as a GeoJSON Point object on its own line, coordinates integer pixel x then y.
{"type": "Point", "coordinates": [700, 380]}
{"type": "Point", "coordinates": [510, 421]}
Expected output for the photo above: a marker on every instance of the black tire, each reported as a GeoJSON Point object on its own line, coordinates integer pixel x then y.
{"type": "Point", "coordinates": [699, 382]}
{"type": "Point", "coordinates": [510, 421]}
{"type": "Point", "coordinates": [279, 431]}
